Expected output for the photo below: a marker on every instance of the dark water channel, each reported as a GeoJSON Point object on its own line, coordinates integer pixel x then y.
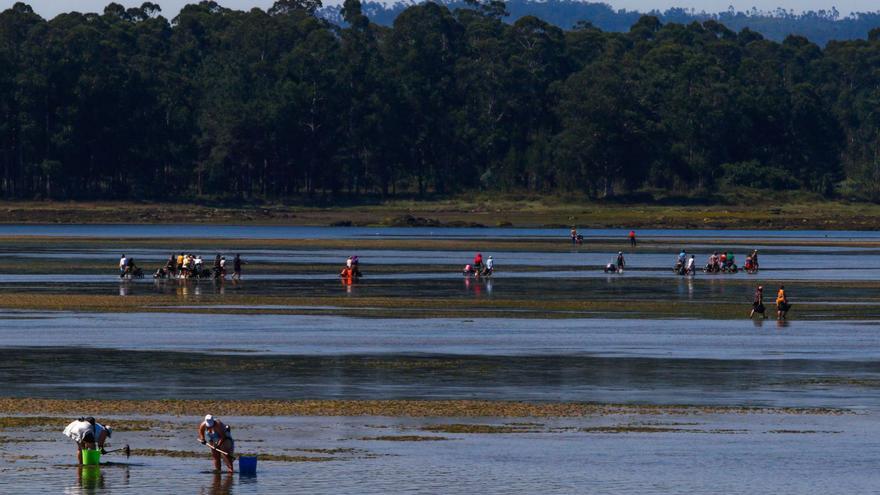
{"type": "Point", "coordinates": [151, 356]}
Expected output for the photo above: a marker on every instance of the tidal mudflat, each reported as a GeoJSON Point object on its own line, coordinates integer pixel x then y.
{"type": "Point", "coordinates": [702, 453]}
{"type": "Point", "coordinates": [551, 376]}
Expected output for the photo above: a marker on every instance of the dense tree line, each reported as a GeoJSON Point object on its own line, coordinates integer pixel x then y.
{"type": "Point", "coordinates": [281, 103]}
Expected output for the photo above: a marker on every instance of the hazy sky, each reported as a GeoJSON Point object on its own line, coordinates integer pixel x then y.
{"type": "Point", "coordinates": [49, 8]}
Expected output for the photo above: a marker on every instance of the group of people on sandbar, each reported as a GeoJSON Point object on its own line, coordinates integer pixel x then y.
{"type": "Point", "coordinates": [187, 265]}
{"type": "Point", "coordinates": [480, 268]}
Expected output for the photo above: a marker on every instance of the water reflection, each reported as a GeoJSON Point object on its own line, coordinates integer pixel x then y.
{"type": "Point", "coordinates": [477, 287]}
{"type": "Point", "coordinates": [89, 478]}
{"type": "Point", "coordinates": [97, 479]}
{"type": "Point", "coordinates": [221, 484]}
{"type": "Point", "coordinates": [163, 375]}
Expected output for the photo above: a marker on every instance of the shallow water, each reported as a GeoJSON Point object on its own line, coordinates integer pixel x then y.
{"type": "Point", "coordinates": [148, 356]}
{"type": "Point", "coordinates": [704, 454]}
{"type": "Point", "coordinates": [329, 335]}
{"type": "Point", "coordinates": [588, 357]}
{"type": "Point", "coordinates": [779, 263]}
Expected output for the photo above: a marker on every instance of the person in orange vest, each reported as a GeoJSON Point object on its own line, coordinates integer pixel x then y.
{"type": "Point", "coordinates": [782, 305]}
{"type": "Point", "coordinates": [632, 238]}
{"type": "Point", "coordinates": [351, 270]}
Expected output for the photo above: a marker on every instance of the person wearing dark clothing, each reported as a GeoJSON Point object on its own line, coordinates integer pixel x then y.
{"type": "Point", "coordinates": [758, 303]}
{"type": "Point", "coordinates": [236, 267]}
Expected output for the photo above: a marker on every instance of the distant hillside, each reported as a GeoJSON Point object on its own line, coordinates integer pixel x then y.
{"type": "Point", "coordinates": [819, 27]}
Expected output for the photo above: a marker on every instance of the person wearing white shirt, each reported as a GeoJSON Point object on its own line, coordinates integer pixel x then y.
{"type": "Point", "coordinates": [690, 265]}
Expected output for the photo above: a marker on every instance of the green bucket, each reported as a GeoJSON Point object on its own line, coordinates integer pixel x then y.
{"type": "Point", "coordinates": [91, 457]}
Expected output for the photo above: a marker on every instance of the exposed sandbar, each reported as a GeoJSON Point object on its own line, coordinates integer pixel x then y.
{"type": "Point", "coordinates": [389, 408]}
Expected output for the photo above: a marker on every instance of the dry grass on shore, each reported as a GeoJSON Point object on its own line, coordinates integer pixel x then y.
{"type": "Point", "coordinates": [779, 212]}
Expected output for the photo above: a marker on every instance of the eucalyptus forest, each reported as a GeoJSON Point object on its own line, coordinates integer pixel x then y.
{"type": "Point", "coordinates": [282, 103]}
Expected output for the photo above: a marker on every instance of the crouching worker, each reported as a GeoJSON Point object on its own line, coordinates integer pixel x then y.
{"type": "Point", "coordinates": [88, 434]}
{"type": "Point", "coordinates": [218, 437]}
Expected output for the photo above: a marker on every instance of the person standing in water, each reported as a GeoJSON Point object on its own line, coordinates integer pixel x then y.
{"type": "Point", "coordinates": [218, 436]}
{"type": "Point", "coordinates": [782, 305]}
{"type": "Point", "coordinates": [218, 267]}
{"type": "Point", "coordinates": [478, 263]}
{"type": "Point", "coordinates": [88, 434]}
{"type": "Point", "coordinates": [236, 267]}
{"type": "Point", "coordinates": [632, 238]}
{"type": "Point", "coordinates": [621, 263]}
{"type": "Point", "coordinates": [758, 303]}
{"type": "Point", "coordinates": [690, 268]}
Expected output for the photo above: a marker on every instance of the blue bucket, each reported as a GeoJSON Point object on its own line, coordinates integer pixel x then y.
{"type": "Point", "coordinates": [247, 465]}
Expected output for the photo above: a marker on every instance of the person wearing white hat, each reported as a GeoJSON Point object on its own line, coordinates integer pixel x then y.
{"type": "Point", "coordinates": [213, 432]}
{"type": "Point", "coordinates": [88, 434]}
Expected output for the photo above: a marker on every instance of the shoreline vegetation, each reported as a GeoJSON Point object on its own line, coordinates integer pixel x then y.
{"type": "Point", "coordinates": [788, 214]}
{"type": "Point", "coordinates": [388, 408]}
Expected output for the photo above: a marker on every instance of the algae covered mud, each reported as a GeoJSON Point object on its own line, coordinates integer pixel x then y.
{"type": "Point", "coordinates": [550, 376]}
{"type": "Point", "coordinates": [781, 212]}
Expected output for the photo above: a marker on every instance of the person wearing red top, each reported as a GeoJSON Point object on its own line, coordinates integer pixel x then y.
{"type": "Point", "coordinates": [632, 238]}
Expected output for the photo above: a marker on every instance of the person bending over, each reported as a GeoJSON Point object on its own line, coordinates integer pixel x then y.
{"type": "Point", "coordinates": [88, 434]}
